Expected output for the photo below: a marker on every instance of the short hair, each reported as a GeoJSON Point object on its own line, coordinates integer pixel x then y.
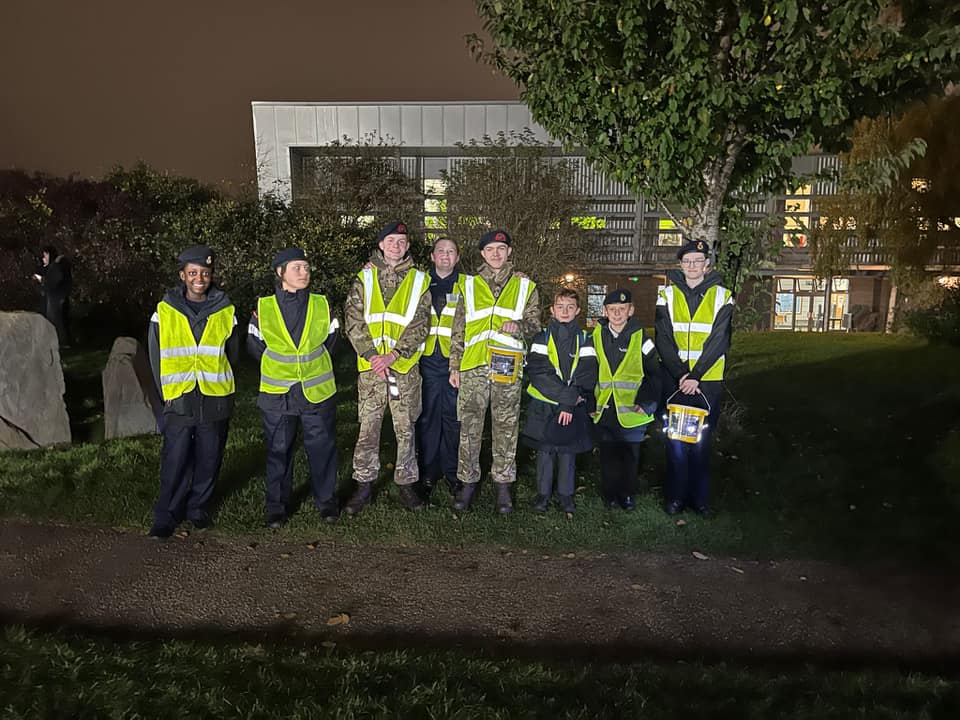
{"type": "Point", "coordinates": [567, 293]}
{"type": "Point", "coordinates": [448, 239]}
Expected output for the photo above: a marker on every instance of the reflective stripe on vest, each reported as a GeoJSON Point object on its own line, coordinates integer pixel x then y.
{"type": "Point", "coordinates": [185, 363]}
{"type": "Point", "coordinates": [441, 326]}
{"type": "Point", "coordinates": [691, 333]}
{"type": "Point", "coordinates": [621, 386]}
{"type": "Point", "coordinates": [485, 315]}
{"type": "Point", "coordinates": [284, 364]}
{"type": "Point", "coordinates": [387, 323]}
{"type": "Point", "coordinates": [550, 350]}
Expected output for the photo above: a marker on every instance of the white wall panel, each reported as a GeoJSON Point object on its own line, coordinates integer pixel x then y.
{"type": "Point", "coordinates": [327, 130]}
{"type": "Point", "coordinates": [452, 125]}
{"type": "Point", "coordinates": [390, 123]}
{"type": "Point", "coordinates": [475, 122]}
{"type": "Point", "coordinates": [411, 120]}
{"type": "Point", "coordinates": [496, 119]}
{"type": "Point", "coordinates": [432, 125]}
{"type": "Point", "coordinates": [369, 122]}
{"type": "Point", "coordinates": [348, 121]}
{"type": "Point", "coordinates": [306, 120]}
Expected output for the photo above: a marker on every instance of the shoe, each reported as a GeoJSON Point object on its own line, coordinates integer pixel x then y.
{"type": "Point", "coordinates": [626, 502]}
{"type": "Point", "coordinates": [504, 504]}
{"type": "Point", "coordinates": [566, 504]}
{"type": "Point", "coordinates": [673, 508]}
{"type": "Point", "coordinates": [361, 497]}
{"type": "Point", "coordinates": [201, 524]}
{"type": "Point", "coordinates": [329, 513]}
{"type": "Point", "coordinates": [275, 521]}
{"type": "Point", "coordinates": [703, 511]}
{"type": "Point", "coordinates": [426, 488]}
{"type": "Point", "coordinates": [160, 532]}
{"type": "Point", "coordinates": [464, 497]}
{"type": "Point", "coordinates": [540, 503]}
{"type": "Point", "coordinates": [410, 499]}
{"type": "Point", "coordinates": [454, 486]}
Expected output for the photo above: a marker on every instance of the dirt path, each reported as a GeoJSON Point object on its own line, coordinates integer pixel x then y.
{"type": "Point", "coordinates": [623, 606]}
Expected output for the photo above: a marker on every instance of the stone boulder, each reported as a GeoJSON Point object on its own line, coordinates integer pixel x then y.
{"type": "Point", "coordinates": [32, 411]}
{"type": "Point", "coordinates": [131, 403]}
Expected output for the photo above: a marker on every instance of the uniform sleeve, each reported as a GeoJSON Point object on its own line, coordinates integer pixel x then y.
{"type": "Point", "coordinates": [543, 376]}
{"type": "Point", "coordinates": [457, 335]}
{"type": "Point", "coordinates": [354, 325]}
{"type": "Point", "coordinates": [332, 334]}
{"type": "Point", "coordinates": [588, 369]}
{"type": "Point", "coordinates": [651, 389]}
{"type": "Point", "coordinates": [667, 344]}
{"type": "Point", "coordinates": [232, 346]}
{"type": "Point", "coordinates": [255, 342]}
{"type": "Point", "coordinates": [415, 334]}
{"type": "Point", "coordinates": [153, 350]}
{"type": "Point", "coordinates": [717, 343]}
{"type": "Point", "coordinates": [530, 324]}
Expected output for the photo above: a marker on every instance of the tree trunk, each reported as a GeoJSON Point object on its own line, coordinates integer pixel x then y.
{"type": "Point", "coordinates": [891, 310]}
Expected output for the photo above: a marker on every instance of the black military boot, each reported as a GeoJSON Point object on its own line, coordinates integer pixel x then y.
{"type": "Point", "coordinates": [565, 489]}
{"type": "Point", "coordinates": [463, 498]}
{"type": "Point", "coordinates": [426, 487]}
{"type": "Point", "coordinates": [504, 503]}
{"type": "Point", "coordinates": [542, 499]}
{"type": "Point", "coordinates": [361, 497]}
{"type": "Point", "coordinates": [410, 499]}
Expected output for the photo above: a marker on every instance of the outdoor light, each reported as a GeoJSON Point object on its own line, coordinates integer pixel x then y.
{"type": "Point", "coordinates": [685, 423]}
{"type": "Point", "coordinates": [569, 277]}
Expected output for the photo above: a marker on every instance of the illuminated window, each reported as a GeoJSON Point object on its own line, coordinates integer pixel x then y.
{"type": "Point", "coordinates": [595, 296]}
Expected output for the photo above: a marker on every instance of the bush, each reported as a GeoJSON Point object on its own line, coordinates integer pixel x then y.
{"type": "Point", "coordinates": [939, 321]}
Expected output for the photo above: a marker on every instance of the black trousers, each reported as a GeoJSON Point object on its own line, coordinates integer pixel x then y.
{"type": "Point", "coordinates": [320, 445]}
{"type": "Point", "coordinates": [190, 461]}
{"type": "Point", "coordinates": [58, 313]}
{"type": "Point", "coordinates": [566, 465]}
{"type": "Point", "coordinates": [438, 431]}
{"type": "Point", "coordinates": [619, 463]}
{"type": "Point", "coordinates": [688, 465]}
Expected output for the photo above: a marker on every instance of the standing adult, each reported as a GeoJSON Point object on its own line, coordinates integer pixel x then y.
{"type": "Point", "coordinates": [387, 319]}
{"type": "Point", "coordinates": [438, 431]}
{"type": "Point", "coordinates": [193, 345]}
{"type": "Point", "coordinates": [500, 311]}
{"type": "Point", "coordinates": [693, 322]}
{"type": "Point", "coordinates": [292, 335]}
{"type": "Point", "coordinates": [56, 282]}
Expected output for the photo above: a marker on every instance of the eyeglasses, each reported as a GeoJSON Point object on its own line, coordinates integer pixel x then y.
{"type": "Point", "coordinates": [687, 263]}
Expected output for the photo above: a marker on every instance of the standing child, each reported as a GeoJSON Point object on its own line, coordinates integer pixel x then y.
{"type": "Point", "coordinates": [562, 367]}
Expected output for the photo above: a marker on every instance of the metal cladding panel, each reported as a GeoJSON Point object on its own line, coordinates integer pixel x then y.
{"type": "Point", "coordinates": [518, 117]}
{"type": "Point", "coordinates": [265, 138]}
{"type": "Point", "coordinates": [286, 136]}
{"type": "Point", "coordinates": [496, 119]}
{"type": "Point", "coordinates": [475, 122]}
{"type": "Point", "coordinates": [306, 120]}
{"type": "Point", "coordinates": [327, 130]}
{"type": "Point", "coordinates": [411, 125]}
{"type": "Point", "coordinates": [452, 125]}
{"type": "Point", "coordinates": [348, 121]}
{"type": "Point", "coordinates": [390, 123]}
{"type": "Point", "coordinates": [432, 125]}
{"type": "Point", "coordinates": [369, 123]}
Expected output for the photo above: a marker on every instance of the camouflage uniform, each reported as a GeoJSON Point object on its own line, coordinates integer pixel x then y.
{"type": "Point", "coordinates": [373, 392]}
{"type": "Point", "coordinates": [477, 391]}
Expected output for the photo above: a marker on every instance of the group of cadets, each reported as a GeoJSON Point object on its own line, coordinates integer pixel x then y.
{"type": "Point", "coordinates": [438, 349]}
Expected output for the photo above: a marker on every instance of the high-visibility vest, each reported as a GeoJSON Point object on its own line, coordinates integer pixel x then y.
{"type": "Point", "coordinates": [387, 323]}
{"type": "Point", "coordinates": [621, 386]}
{"type": "Point", "coordinates": [284, 364]}
{"type": "Point", "coordinates": [485, 315]}
{"type": "Point", "coordinates": [692, 333]}
{"type": "Point", "coordinates": [550, 350]}
{"type": "Point", "coordinates": [185, 363]}
{"type": "Point", "coordinates": [441, 326]}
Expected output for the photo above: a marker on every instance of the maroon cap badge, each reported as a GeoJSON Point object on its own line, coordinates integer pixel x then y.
{"type": "Point", "coordinates": [401, 228]}
{"type": "Point", "coordinates": [500, 237]}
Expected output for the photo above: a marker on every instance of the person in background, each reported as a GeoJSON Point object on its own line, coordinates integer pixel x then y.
{"type": "Point", "coordinates": [56, 282]}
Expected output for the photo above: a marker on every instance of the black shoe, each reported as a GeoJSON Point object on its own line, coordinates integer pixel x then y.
{"type": "Point", "coordinates": [704, 512]}
{"type": "Point", "coordinates": [566, 504]}
{"type": "Point", "coordinates": [626, 502]}
{"type": "Point", "coordinates": [541, 503]}
{"type": "Point", "coordinates": [504, 504]}
{"type": "Point", "coordinates": [426, 488]}
{"type": "Point", "coordinates": [201, 524]}
{"type": "Point", "coordinates": [361, 497]}
{"type": "Point", "coordinates": [275, 521]}
{"type": "Point", "coordinates": [410, 499]}
{"type": "Point", "coordinates": [454, 486]}
{"type": "Point", "coordinates": [329, 513]}
{"type": "Point", "coordinates": [161, 532]}
{"type": "Point", "coordinates": [673, 508]}
{"type": "Point", "coordinates": [464, 497]}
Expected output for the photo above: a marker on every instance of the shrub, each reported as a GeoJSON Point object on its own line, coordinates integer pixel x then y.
{"type": "Point", "coordinates": [940, 320]}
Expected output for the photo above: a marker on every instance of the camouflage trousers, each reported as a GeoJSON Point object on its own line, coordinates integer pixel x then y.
{"type": "Point", "coordinates": [373, 399]}
{"type": "Point", "coordinates": [477, 392]}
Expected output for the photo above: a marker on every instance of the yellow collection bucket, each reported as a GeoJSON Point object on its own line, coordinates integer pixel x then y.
{"type": "Point", "coordinates": [685, 422]}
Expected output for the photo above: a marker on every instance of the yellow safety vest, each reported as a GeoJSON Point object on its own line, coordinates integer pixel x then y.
{"type": "Point", "coordinates": [284, 364]}
{"type": "Point", "coordinates": [387, 323]}
{"type": "Point", "coordinates": [692, 333]}
{"type": "Point", "coordinates": [184, 363]}
{"type": "Point", "coordinates": [441, 326]}
{"type": "Point", "coordinates": [485, 315]}
{"type": "Point", "coordinates": [621, 386]}
{"type": "Point", "coordinates": [550, 349]}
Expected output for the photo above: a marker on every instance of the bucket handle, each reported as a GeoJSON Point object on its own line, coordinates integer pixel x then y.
{"type": "Point", "coordinates": [699, 392]}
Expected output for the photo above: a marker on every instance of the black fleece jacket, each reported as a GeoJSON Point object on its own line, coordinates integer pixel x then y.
{"type": "Point", "coordinates": [615, 349]}
{"type": "Point", "coordinates": [562, 388]}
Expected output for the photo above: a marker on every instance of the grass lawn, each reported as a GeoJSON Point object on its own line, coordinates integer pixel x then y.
{"type": "Point", "coordinates": [76, 676]}
{"type": "Point", "coordinates": [847, 447]}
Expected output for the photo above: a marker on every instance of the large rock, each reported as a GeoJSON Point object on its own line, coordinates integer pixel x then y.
{"type": "Point", "coordinates": [32, 411]}
{"type": "Point", "coordinates": [131, 403]}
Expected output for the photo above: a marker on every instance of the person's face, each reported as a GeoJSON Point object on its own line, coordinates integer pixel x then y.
{"type": "Point", "coordinates": [496, 254]}
{"type": "Point", "coordinates": [565, 309]}
{"type": "Point", "coordinates": [694, 266]}
{"type": "Point", "coordinates": [444, 256]}
{"type": "Point", "coordinates": [197, 278]}
{"type": "Point", "coordinates": [394, 247]}
{"type": "Point", "coordinates": [618, 314]}
{"type": "Point", "coordinates": [46, 258]}
{"type": "Point", "coordinates": [295, 275]}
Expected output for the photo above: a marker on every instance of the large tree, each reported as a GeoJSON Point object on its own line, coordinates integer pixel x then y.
{"type": "Point", "coordinates": [695, 102]}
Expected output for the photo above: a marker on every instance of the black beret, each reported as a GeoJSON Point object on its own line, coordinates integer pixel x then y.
{"type": "Point", "coordinates": [394, 228]}
{"type": "Point", "coordinates": [495, 236]}
{"type": "Point", "coordinates": [694, 246]}
{"type": "Point", "coordinates": [197, 255]}
{"type": "Point", "coordinates": [287, 255]}
{"type": "Point", "coordinates": [615, 297]}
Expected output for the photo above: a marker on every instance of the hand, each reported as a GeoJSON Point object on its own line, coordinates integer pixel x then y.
{"type": "Point", "coordinates": [689, 386]}
{"type": "Point", "coordinates": [455, 378]}
{"type": "Point", "coordinates": [510, 327]}
{"type": "Point", "coordinates": [367, 265]}
{"type": "Point", "coordinates": [579, 399]}
{"type": "Point", "coordinates": [380, 363]}
{"type": "Point", "coordinates": [37, 277]}
{"type": "Point", "coordinates": [522, 276]}
{"type": "Point", "coordinates": [639, 410]}
{"type": "Point", "coordinates": [565, 418]}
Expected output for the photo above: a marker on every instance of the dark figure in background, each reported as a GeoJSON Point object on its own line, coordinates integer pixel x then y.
{"type": "Point", "coordinates": [291, 335]}
{"type": "Point", "coordinates": [56, 281]}
{"type": "Point", "coordinates": [194, 345]}
{"type": "Point", "coordinates": [693, 336]}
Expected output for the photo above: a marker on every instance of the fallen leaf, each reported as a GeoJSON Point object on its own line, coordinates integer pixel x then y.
{"type": "Point", "coordinates": [341, 619]}
{"type": "Point", "coordinates": [681, 522]}
{"type": "Point", "coordinates": [636, 587]}
{"type": "Point", "coordinates": [284, 555]}
{"type": "Point", "coordinates": [311, 546]}
{"type": "Point", "coordinates": [700, 555]}
{"type": "Point", "coordinates": [570, 556]}
{"type": "Point", "coordinates": [288, 615]}
{"type": "Point", "coordinates": [737, 570]}
{"type": "Point", "coordinates": [183, 534]}
{"type": "Point", "coordinates": [329, 644]}
{"type": "Point", "coordinates": [853, 507]}
{"type": "Point", "coordinates": [803, 578]}
{"type": "Point", "coordinates": [569, 516]}
{"type": "Point", "coordinates": [734, 457]}
{"type": "Point", "coordinates": [252, 546]}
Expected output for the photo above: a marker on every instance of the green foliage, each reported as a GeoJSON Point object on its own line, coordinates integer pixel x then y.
{"type": "Point", "coordinates": [939, 321]}
{"type": "Point", "coordinates": [746, 246]}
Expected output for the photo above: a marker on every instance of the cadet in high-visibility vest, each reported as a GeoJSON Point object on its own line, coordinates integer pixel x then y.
{"type": "Point", "coordinates": [562, 368]}
{"type": "Point", "coordinates": [193, 346]}
{"type": "Point", "coordinates": [438, 431]}
{"type": "Point", "coordinates": [387, 319]}
{"type": "Point", "coordinates": [291, 335]}
{"type": "Point", "coordinates": [627, 395]}
{"type": "Point", "coordinates": [499, 310]}
{"type": "Point", "coordinates": [693, 336]}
